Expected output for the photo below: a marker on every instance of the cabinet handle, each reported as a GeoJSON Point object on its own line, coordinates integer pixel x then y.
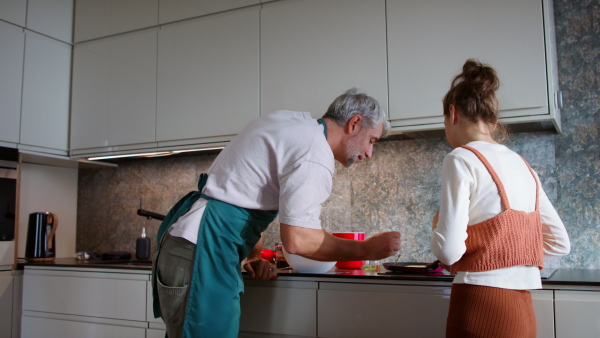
{"type": "Point", "coordinates": [558, 99]}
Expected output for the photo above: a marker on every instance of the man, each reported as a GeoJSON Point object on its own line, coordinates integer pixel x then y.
{"type": "Point", "coordinates": [281, 163]}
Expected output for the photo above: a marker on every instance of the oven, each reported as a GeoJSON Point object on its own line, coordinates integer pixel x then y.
{"type": "Point", "coordinates": [8, 200]}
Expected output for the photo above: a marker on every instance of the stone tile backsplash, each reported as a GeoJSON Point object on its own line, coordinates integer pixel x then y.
{"type": "Point", "coordinates": [398, 189]}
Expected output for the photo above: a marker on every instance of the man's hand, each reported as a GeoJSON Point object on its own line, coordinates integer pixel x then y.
{"type": "Point", "coordinates": [260, 269]}
{"type": "Point", "coordinates": [382, 245]}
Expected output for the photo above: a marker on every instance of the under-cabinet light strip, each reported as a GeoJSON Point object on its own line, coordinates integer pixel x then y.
{"type": "Point", "coordinates": [156, 154]}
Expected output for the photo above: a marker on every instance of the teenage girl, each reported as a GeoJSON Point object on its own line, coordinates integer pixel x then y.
{"type": "Point", "coordinates": [495, 225]}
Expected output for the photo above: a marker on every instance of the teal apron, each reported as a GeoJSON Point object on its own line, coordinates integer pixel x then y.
{"type": "Point", "coordinates": [226, 236]}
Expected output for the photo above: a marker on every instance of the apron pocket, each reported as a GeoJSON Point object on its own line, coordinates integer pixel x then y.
{"type": "Point", "coordinates": [173, 302]}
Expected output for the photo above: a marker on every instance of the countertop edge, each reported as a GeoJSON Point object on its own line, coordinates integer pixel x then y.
{"type": "Point", "coordinates": [562, 279]}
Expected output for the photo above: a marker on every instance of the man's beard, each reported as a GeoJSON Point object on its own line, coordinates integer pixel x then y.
{"type": "Point", "coordinates": [353, 151]}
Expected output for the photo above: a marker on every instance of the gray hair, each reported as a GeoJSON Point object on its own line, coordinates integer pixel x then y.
{"type": "Point", "coordinates": [353, 102]}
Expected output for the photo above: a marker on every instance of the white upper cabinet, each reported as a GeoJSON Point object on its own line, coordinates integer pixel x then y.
{"type": "Point", "coordinates": [429, 41]}
{"type": "Point", "coordinates": [114, 91]}
{"type": "Point", "coordinates": [208, 76]}
{"type": "Point", "coordinates": [51, 17]}
{"type": "Point", "coordinates": [174, 10]}
{"type": "Point", "coordinates": [314, 50]}
{"type": "Point", "coordinates": [46, 85]}
{"type": "Point", "coordinates": [99, 18]}
{"type": "Point", "coordinates": [14, 11]}
{"type": "Point", "coordinates": [12, 40]}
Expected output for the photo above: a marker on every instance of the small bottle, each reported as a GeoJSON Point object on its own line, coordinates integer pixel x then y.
{"type": "Point", "coordinates": [280, 260]}
{"type": "Point", "coordinates": [142, 247]}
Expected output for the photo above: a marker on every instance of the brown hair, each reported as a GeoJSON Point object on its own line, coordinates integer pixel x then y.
{"type": "Point", "coordinates": [473, 92]}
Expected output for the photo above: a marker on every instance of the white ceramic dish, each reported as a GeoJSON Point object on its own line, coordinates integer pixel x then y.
{"type": "Point", "coordinates": [306, 265]}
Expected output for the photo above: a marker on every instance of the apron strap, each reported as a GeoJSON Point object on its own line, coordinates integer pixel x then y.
{"type": "Point", "coordinates": [499, 185]}
{"type": "Point", "coordinates": [321, 121]}
{"type": "Point", "coordinates": [495, 178]}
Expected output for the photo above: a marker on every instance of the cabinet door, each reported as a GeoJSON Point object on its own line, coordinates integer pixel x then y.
{"type": "Point", "coordinates": [101, 18]}
{"type": "Point", "coordinates": [57, 328]}
{"type": "Point", "coordinates": [46, 88]}
{"type": "Point", "coordinates": [98, 295]}
{"type": "Point", "coordinates": [174, 10]}
{"type": "Point", "coordinates": [279, 307]}
{"type": "Point", "coordinates": [577, 314]}
{"type": "Point", "coordinates": [543, 305]}
{"type": "Point", "coordinates": [52, 18]}
{"type": "Point", "coordinates": [6, 304]}
{"type": "Point", "coordinates": [14, 11]}
{"type": "Point", "coordinates": [114, 91]}
{"type": "Point", "coordinates": [155, 333]}
{"type": "Point", "coordinates": [368, 310]}
{"type": "Point", "coordinates": [12, 40]}
{"type": "Point", "coordinates": [314, 50]}
{"type": "Point", "coordinates": [150, 306]}
{"type": "Point", "coordinates": [429, 41]}
{"type": "Point", "coordinates": [208, 75]}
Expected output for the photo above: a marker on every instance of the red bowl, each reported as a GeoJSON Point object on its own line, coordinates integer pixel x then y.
{"type": "Point", "coordinates": [357, 236]}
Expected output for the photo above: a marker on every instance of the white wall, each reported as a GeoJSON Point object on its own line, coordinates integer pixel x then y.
{"type": "Point", "coordinates": [53, 189]}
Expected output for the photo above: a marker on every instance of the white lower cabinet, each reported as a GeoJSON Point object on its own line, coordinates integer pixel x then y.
{"type": "Point", "coordinates": [365, 310]}
{"type": "Point", "coordinates": [58, 328]}
{"type": "Point", "coordinates": [370, 310]}
{"type": "Point", "coordinates": [543, 305]}
{"type": "Point", "coordinates": [156, 326]}
{"type": "Point", "coordinates": [76, 303]}
{"type": "Point", "coordinates": [577, 313]}
{"type": "Point", "coordinates": [279, 307]}
{"type": "Point", "coordinates": [6, 304]}
{"type": "Point", "coordinates": [70, 302]}
{"type": "Point", "coordinates": [155, 333]}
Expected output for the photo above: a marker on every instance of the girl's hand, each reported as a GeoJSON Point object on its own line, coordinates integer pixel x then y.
{"type": "Point", "coordinates": [435, 220]}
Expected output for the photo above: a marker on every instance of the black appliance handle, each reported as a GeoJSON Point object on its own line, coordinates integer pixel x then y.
{"type": "Point", "coordinates": [150, 214]}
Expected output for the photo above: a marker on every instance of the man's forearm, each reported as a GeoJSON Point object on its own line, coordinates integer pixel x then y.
{"type": "Point", "coordinates": [255, 253]}
{"type": "Point", "coordinates": [319, 245]}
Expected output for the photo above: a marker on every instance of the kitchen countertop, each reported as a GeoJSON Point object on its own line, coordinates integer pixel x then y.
{"type": "Point", "coordinates": [559, 279]}
{"type": "Point", "coordinates": [74, 263]}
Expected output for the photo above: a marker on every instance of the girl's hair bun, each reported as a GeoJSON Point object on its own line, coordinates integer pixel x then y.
{"type": "Point", "coordinates": [481, 78]}
{"type": "Point", "coordinates": [473, 92]}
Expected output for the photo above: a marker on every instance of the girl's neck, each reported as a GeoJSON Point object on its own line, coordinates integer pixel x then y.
{"type": "Point", "coordinates": [478, 131]}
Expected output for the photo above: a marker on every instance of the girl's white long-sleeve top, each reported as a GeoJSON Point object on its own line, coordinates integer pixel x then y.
{"type": "Point", "coordinates": [470, 196]}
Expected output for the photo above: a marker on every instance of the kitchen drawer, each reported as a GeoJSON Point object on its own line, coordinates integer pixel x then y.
{"type": "Point", "coordinates": [104, 295]}
{"type": "Point", "coordinates": [155, 333]}
{"type": "Point", "coordinates": [279, 307]}
{"type": "Point", "coordinates": [57, 328]}
{"type": "Point", "coordinates": [366, 310]}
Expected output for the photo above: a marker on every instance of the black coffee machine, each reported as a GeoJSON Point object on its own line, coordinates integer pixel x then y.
{"type": "Point", "coordinates": [41, 242]}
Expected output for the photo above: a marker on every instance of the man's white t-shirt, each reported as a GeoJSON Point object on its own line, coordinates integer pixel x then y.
{"type": "Point", "coordinates": [280, 161]}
